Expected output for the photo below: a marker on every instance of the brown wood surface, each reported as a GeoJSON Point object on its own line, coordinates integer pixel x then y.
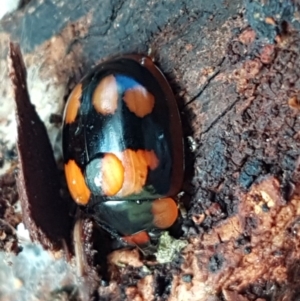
{"type": "Point", "coordinates": [235, 69]}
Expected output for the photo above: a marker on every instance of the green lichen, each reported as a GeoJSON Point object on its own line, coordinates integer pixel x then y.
{"type": "Point", "coordinates": [168, 248]}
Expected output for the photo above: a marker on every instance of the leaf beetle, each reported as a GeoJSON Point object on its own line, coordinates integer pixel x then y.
{"type": "Point", "coordinates": [123, 148]}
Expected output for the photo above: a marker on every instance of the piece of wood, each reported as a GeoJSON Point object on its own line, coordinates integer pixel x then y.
{"type": "Point", "coordinates": [45, 214]}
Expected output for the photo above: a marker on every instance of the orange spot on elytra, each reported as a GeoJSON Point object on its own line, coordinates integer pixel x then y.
{"type": "Point", "coordinates": [150, 157]}
{"type": "Point", "coordinates": [135, 172]}
{"type": "Point", "coordinates": [140, 238]}
{"type": "Point", "coordinates": [105, 96]}
{"type": "Point", "coordinates": [73, 104]}
{"type": "Point", "coordinates": [139, 101]}
{"type": "Point", "coordinates": [165, 212]}
{"type": "Point", "coordinates": [76, 183]}
{"type": "Point", "coordinates": [112, 174]}
{"type": "Point", "coordinates": [136, 164]}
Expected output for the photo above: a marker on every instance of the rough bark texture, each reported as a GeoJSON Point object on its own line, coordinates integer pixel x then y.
{"type": "Point", "coordinates": [238, 90]}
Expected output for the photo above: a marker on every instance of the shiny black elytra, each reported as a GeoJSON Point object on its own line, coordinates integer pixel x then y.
{"type": "Point", "coordinates": [123, 147]}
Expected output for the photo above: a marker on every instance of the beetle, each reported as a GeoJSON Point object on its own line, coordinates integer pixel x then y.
{"type": "Point", "coordinates": [123, 148]}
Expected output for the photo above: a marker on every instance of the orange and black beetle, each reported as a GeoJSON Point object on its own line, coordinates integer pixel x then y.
{"type": "Point", "coordinates": [123, 148]}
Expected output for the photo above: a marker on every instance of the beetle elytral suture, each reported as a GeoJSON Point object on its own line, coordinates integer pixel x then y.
{"type": "Point", "coordinates": [123, 148]}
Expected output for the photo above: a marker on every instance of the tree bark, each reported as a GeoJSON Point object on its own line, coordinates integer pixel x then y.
{"type": "Point", "coordinates": [237, 83]}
